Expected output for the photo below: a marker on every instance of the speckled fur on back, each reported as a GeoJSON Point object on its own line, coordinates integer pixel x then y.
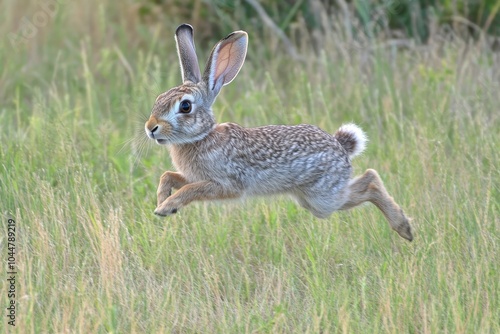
{"type": "Point", "coordinates": [221, 161]}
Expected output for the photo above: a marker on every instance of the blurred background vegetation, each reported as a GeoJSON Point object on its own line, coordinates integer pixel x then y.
{"type": "Point", "coordinates": [299, 29]}
{"type": "Point", "coordinates": [300, 21]}
{"type": "Point", "coordinates": [416, 19]}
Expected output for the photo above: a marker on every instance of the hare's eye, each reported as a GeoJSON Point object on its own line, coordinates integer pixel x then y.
{"type": "Point", "coordinates": [185, 107]}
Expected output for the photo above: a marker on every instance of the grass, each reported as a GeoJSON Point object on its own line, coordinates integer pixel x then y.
{"type": "Point", "coordinates": [92, 257]}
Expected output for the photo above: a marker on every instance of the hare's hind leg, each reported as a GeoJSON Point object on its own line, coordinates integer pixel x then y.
{"type": "Point", "coordinates": [369, 187]}
{"type": "Point", "coordinates": [197, 191]}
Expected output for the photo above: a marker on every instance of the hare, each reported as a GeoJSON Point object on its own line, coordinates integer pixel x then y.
{"type": "Point", "coordinates": [227, 161]}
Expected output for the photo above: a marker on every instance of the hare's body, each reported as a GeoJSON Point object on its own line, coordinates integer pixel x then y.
{"type": "Point", "coordinates": [267, 160]}
{"type": "Point", "coordinates": [222, 161]}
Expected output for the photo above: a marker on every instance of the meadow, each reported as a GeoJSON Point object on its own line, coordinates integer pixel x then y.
{"type": "Point", "coordinates": [79, 179]}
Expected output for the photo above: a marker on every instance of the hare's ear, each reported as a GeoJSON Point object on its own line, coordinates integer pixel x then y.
{"type": "Point", "coordinates": [187, 54]}
{"type": "Point", "coordinates": [225, 61]}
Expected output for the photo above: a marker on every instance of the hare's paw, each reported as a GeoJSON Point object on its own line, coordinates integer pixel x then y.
{"type": "Point", "coordinates": [165, 212]}
{"type": "Point", "coordinates": [404, 228]}
{"type": "Point", "coordinates": [166, 209]}
{"type": "Point", "coordinates": [161, 196]}
{"type": "Point", "coordinates": [164, 190]}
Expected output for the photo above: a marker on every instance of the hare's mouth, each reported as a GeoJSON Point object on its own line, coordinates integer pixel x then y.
{"type": "Point", "coordinates": [161, 141]}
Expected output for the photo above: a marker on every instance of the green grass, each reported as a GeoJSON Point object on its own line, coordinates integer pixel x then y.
{"type": "Point", "coordinates": [93, 258]}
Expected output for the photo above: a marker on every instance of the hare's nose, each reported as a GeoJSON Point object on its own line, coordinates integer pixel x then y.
{"type": "Point", "coordinates": [152, 126]}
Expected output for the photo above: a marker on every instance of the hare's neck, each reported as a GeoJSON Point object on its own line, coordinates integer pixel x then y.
{"type": "Point", "coordinates": [190, 158]}
{"type": "Point", "coordinates": [204, 144]}
{"type": "Point", "coordinates": [194, 142]}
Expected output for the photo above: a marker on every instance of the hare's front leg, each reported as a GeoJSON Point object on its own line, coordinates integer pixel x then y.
{"type": "Point", "coordinates": [168, 181]}
{"type": "Point", "coordinates": [198, 191]}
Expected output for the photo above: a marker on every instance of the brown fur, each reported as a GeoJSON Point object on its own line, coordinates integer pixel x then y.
{"type": "Point", "coordinates": [168, 181]}
{"type": "Point", "coordinates": [197, 191]}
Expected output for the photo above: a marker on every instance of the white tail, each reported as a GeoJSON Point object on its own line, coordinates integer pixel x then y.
{"type": "Point", "coordinates": [352, 138]}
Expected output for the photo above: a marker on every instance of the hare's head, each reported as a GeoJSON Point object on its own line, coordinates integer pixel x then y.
{"type": "Point", "coordinates": [184, 114]}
